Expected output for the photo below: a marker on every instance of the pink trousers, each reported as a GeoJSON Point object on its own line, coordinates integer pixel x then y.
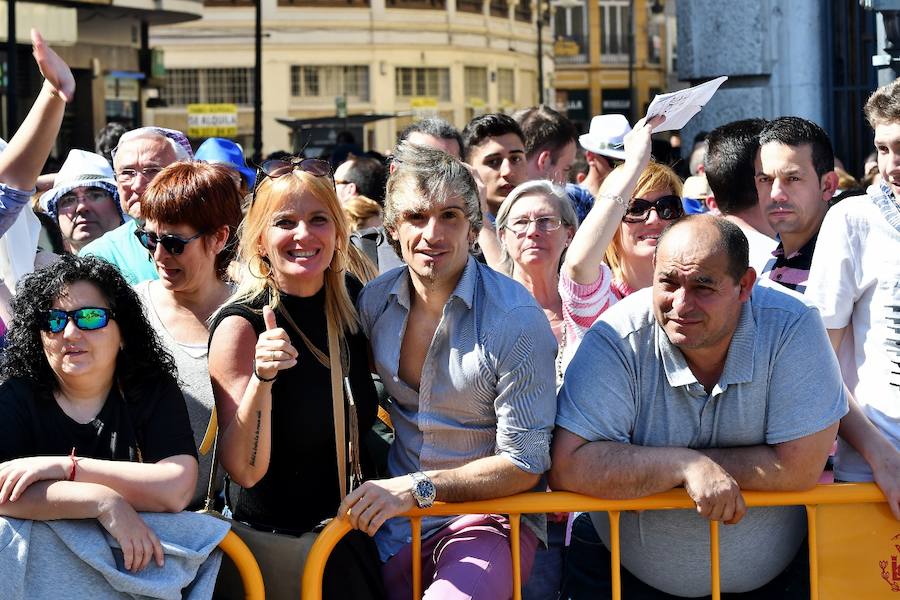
{"type": "Point", "coordinates": [469, 557]}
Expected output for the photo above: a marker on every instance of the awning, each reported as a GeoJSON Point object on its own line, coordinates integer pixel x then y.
{"type": "Point", "coordinates": [333, 122]}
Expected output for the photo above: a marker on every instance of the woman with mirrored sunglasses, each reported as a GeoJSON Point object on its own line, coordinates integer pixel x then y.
{"type": "Point", "coordinates": [191, 214]}
{"type": "Point", "coordinates": [92, 422]}
{"type": "Point", "coordinates": [270, 365]}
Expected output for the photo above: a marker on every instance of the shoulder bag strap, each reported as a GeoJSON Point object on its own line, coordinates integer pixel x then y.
{"type": "Point", "coordinates": [337, 401]}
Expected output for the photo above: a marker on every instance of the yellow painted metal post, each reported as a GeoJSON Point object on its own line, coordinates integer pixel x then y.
{"type": "Point", "coordinates": [235, 548]}
{"type": "Point", "coordinates": [515, 528]}
{"type": "Point", "coordinates": [416, 526]}
{"type": "Point", "coordinates": [812, 541]}
{"type": "Point", "coordinates": [714, 560]}
{"type": "Point", "coordinates": [615, 564]}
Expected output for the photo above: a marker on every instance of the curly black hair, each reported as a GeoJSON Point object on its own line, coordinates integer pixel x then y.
{"type": "Point", "coordinates": [142, 360]}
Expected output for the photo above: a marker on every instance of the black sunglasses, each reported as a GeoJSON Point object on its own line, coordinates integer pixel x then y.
{"type": "Point", "coordinates": [87, 318]}
{"type": "Point", "coordinates": [278, 167]}
{"type": "Point", "coordinates": [667, 208]}
{"type": "Point", "coordinates": [173, 244]}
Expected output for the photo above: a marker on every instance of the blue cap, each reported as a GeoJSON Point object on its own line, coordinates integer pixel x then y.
{"type": "Point", "coordinates": [226, 152]}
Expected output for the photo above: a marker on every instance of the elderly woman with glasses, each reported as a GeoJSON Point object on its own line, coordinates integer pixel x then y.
{"type": "Point", "coordinates": [282, 352]}
{"type": "Point", "coordinates": [92, 422]}
{"type": "Point", "coordinates": [561, 264]}
{"type": "Point", "coordinates": [191, 213]}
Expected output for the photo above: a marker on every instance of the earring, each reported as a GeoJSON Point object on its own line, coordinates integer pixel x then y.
{"type": "Point", "coordinates": [262, 261]}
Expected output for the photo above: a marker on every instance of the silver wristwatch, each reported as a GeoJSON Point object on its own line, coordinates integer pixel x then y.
{"type": "Point", "coordinates": [422, 490]}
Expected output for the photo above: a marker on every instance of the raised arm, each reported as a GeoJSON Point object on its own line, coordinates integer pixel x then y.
{"type": "Point", "coordinates": [588, 247]}
{"type": "Point", "coordinates": [24, 157]}
{"type": "Point", "coordinates": [243, 400]}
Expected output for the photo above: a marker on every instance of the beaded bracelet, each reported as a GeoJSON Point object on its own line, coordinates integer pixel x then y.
{"type": "Point", "coordinates": [615, 198]}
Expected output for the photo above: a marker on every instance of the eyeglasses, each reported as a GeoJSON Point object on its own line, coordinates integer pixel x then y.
{"type": "Point", "coordinates": [127, 175]}
{"type": "Point", "coordinates": [71, 199]}
{"type": "Point", "coordinates": [542, 224]}
{"type": "Point", "coordinates": [667, 208]}
{"type": "Point", "coordinates": [87, 318]}
{"type": "Point", "coordinates": [173, 244]}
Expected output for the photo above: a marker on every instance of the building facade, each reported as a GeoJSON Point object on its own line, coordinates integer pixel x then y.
{"type": "Point", "coordinates": [387, 61]}
{"type": "Point", "coordinates": [105, 43]}
{"type": "Point", "coordinates": [598, 70]}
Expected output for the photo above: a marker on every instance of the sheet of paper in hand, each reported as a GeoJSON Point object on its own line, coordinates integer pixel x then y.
{"type": "Point", "coordinates": [679, 107]}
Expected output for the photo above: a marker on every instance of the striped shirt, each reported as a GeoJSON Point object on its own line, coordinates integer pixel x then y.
{"type": "Point", "coordinates": [791, 271]}
{"type": "Point", "coordinates": [487, 387]}
{"type": "Point", "coordinates": [581, 306]}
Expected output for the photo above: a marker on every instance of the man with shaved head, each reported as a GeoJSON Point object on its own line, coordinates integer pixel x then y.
{"type": "Point", "coordinates": [710, 383]}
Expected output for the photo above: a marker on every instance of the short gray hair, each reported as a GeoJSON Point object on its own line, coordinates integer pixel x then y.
{"type": "Point", "coordinates": [539, 187]}
{"type": "Point", "coordinates": [430, 176]}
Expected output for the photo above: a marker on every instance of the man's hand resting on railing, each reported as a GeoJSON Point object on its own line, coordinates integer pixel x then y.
{"type": "Point", "coordinates": [714, 490]}
{"type": "Point", "coordinates": [374, 502]}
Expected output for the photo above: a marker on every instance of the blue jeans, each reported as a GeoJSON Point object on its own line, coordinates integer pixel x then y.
{"type": "Point", "coordinates": [587, 573]}
{"type": "Point", "coordinates": [546, 574]}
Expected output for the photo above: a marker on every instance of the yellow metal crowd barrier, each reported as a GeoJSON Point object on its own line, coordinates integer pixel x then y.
{"type": "Point", "coordinates": [246, 564]}
{"type": "Point", "coordinates": [854, 541]}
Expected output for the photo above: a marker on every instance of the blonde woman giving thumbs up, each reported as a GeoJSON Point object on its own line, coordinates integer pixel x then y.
{"type": "Point", "coordinates": [280, 349]}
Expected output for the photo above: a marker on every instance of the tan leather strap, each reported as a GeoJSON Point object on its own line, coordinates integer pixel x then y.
{"type": "Point", "coordinates": [337, 400]}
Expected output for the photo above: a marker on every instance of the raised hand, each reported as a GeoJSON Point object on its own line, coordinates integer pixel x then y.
{"type": "Point", "coordinates": [638, 142]}
{"type": "Point", "coordinates": [54, 69]}
{"type": "Point", "coordinates": [138, 542]}
{"type": "Point", "coordinates": [274, 351]}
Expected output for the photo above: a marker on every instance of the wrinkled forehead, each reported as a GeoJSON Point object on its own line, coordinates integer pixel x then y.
{"type": "Point", "coordinates": [152, 150]}
{"type": "Point", "coordinates": [887, 134]}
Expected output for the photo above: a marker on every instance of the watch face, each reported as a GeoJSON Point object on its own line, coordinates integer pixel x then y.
{"type": "Point", "coordinates": [425, 490]}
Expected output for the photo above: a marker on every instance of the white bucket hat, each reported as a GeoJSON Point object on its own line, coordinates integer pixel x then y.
{"type": "Point", "coordinates": [606, 136]}
{"type": "Point", "coordinates": [81, 169]}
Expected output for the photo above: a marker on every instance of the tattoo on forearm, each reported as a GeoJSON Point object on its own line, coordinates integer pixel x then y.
{"type": "Point", "coordinates": [256, 438]}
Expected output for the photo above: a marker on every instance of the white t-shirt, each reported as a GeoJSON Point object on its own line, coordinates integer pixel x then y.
{"type": "Point", "coordinates": [761, 247]}
{"type": "Point", "coordinates": [855, 280]}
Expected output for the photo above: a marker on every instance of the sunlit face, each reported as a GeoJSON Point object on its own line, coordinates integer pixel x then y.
{"type": "Point", "coordinates": [695, 300]}
{"type": "Point", "coordinates": [300, 243]}
{"type": "Point", "coordinates": [500, 161]}
{"type": "Point", "coordinates": [638, 240]}
{"type": "Point", "coordinates": [535, 248]}
{"type": "Point", "coordinates": [75, 355]}
{"type": "Point", "coordinates": [84, 214]}
{"type": "Point", "coordinates": [193, 268]}
{"type": "Point", "coordinates": [434, 239]}
{"type": "Point", "coordinates": [137, 162]}
{"type": "Point", "coordinates": [448, 145]}
{"type": "Point", "coordinates": [792, 196]}
{"type": "Point", "coordinates": [887, 147]}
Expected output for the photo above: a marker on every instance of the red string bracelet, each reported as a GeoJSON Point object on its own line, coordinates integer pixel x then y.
{"type": "Point", "coordinates": [74, 464]}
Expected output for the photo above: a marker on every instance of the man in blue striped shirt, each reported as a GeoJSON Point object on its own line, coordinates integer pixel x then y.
{"type": "Point", "coordinates": [468, 357]}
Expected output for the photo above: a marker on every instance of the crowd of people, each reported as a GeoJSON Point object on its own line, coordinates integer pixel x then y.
{"type": "Point", "coordinates": [200, 331]}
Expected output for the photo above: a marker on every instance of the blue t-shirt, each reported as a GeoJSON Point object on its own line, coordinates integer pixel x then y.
{"type": "Point", "coordinates": [629, 384]}
{"type": "Point", "coordinates": [121, 248]}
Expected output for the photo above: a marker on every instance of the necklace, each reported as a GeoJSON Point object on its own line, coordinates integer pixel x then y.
{"type": "Point", "coordinates": [559, 356]}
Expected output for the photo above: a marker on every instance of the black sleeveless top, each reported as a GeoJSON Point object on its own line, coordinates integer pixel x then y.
{"type": "Point", "coordinates": [300, 488]}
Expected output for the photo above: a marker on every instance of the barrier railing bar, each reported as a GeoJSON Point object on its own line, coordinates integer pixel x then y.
{"type": "Point", "coordinates": [715, 575]}
{"type": "Point", "coordinates": [415, 524]}
{"type": "Point", "coordinates": [542, 502]}
{"type": "Point", "coordinates": [811, 541]}
{"type": "Point", "coordinates": [615, 557]}
{"type": "Point", "coordinates": [515, 530]}
{"type": "Point", "coordinates": [235, 548]}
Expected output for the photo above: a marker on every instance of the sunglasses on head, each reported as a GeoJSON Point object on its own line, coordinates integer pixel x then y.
{"type": "Point", "coordinates": [667, 208]}
{"type": "Point", "coordinates": [173, 244]}
{"type": "Point", "coordinates": [87, 318]}
{"type": "Point", "coordinates": [278, 167]}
